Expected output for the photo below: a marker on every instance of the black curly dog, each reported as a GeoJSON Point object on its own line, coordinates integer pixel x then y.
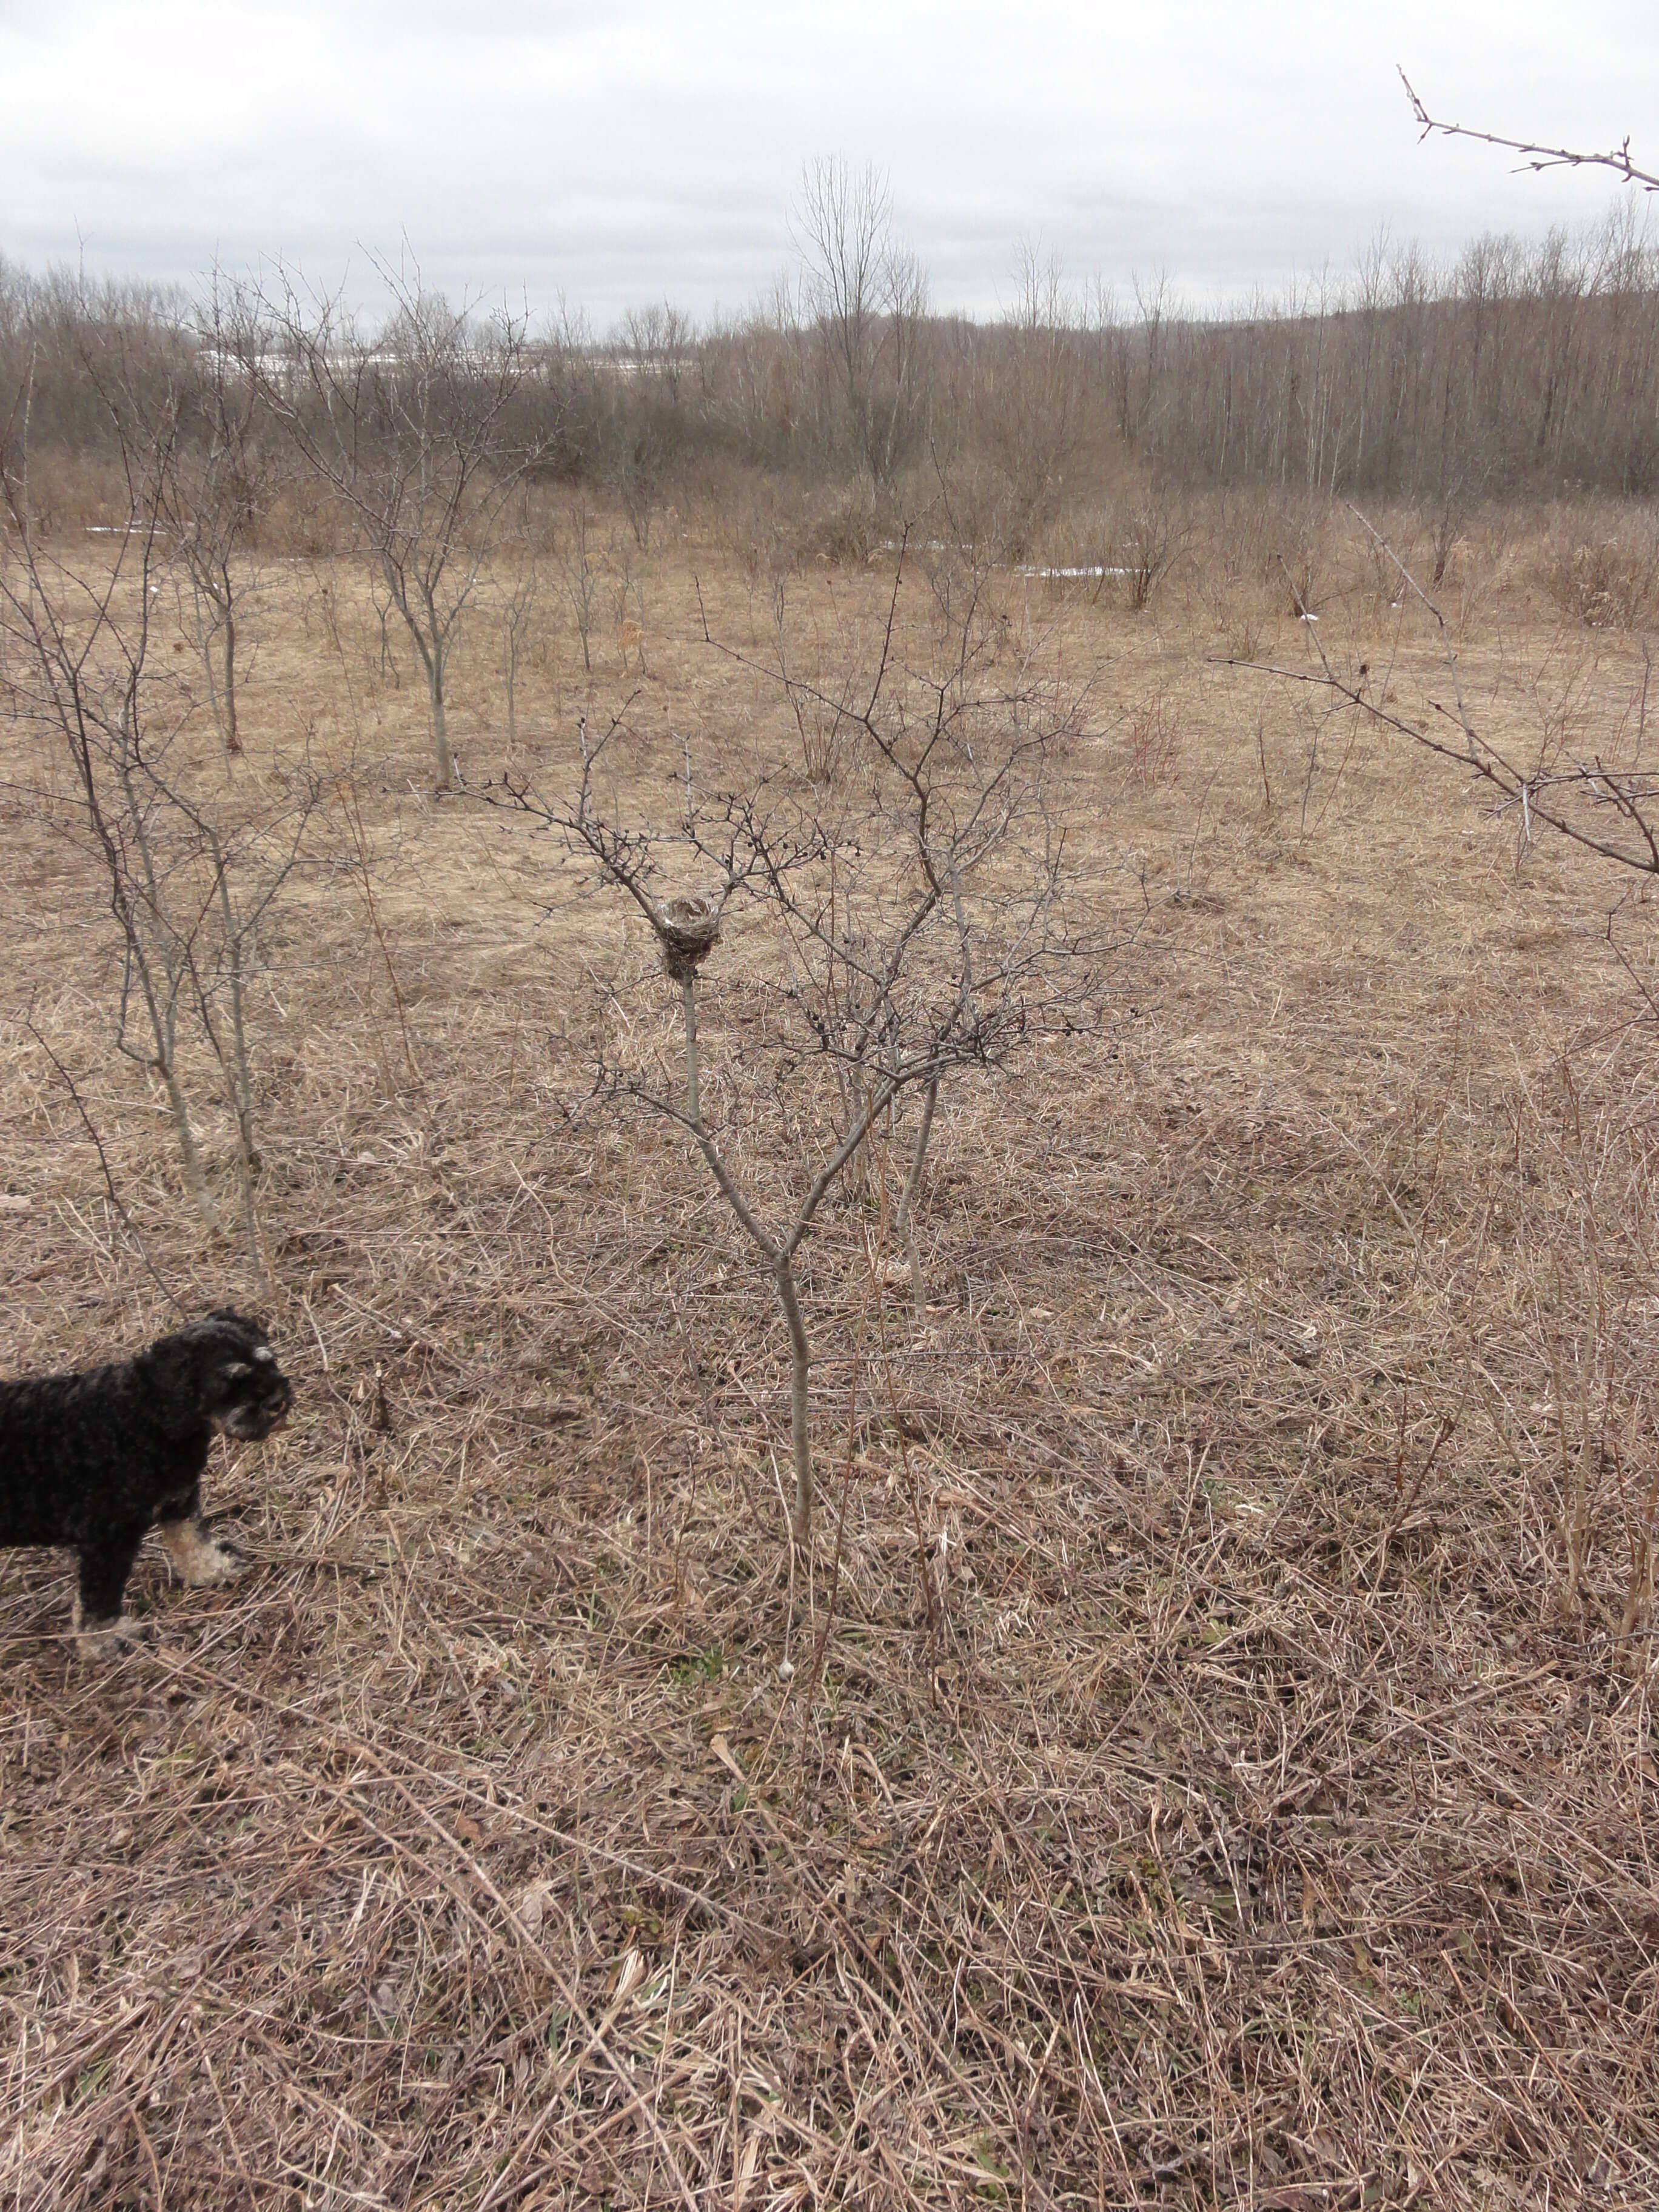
{"type": "Point", "coordinates": [92, 1461]}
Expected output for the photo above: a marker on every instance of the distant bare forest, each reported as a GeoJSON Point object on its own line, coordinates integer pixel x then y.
{"type": "Point", "coordinates": [1525, 369]}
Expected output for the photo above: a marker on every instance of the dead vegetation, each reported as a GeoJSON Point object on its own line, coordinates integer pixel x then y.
{"type": "Point", "coordinates": [1208, 1756]}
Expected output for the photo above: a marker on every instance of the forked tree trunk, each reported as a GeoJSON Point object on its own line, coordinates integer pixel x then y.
{"type": "Point", "coordinates": [433, 662]}
{"type": "Point", "coordinates": [433, 653]}
{"type": "Point", "coordinates": [216, 617]}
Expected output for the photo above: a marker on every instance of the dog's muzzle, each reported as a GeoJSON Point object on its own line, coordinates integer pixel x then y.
{"type": "Point", "coordinates": [253, 1424]}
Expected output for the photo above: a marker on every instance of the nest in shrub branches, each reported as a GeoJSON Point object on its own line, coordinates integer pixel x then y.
{"type": "Point", "coordinates": [687, 929]}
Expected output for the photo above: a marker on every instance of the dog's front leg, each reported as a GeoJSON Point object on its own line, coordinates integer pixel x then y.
{"type": "Point", "coordinates": [199, 1556]}
{"type": "Point", "coordinates": [101, 1628]}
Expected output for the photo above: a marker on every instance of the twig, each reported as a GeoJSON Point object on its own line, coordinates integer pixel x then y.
{"type": "Point", "coordinates": [126, 1218]}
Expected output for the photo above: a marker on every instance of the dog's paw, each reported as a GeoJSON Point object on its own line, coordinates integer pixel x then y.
{"type": "Point", "coordinates": [104, 1640]}
{"type": "Point", "coordinates": [220, 1561]}
{"type": "Point", "coordinates": [200, 1557]}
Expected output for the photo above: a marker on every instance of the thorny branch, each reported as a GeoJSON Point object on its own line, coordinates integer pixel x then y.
{"type": "Point", "coordinates": [1542, 792]}
{"type": "Point", "coordinates": [1537, 157]}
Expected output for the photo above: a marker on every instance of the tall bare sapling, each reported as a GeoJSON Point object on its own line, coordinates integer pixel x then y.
{"type": "Point", "coordinates": [902, 929]}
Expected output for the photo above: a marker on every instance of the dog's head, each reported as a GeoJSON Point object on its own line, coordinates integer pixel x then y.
{"type": "Point", "coordinates": [224, 1369]}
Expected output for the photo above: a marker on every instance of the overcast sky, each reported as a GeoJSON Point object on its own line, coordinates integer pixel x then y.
{"type": "Point", "coordinates": [611, 154]}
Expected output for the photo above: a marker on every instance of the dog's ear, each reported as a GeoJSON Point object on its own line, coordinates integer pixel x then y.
{"type": "Point", "coordinates": [177, 1367]}
{"type": "Point", "coordinates": [251, 1322]}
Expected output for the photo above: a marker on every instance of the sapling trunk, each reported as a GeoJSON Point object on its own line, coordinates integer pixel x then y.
{"type": "Point", "coordinates": [433, 649]}
{"type": "Point", "coordinates": [800, 1521]}
{"type": "Point", "coordinates": [239, 1078]}
{"type": "Point", "coordinates": [688, 1000]}
{"type": "Point", "coordinates": [179, 1108]}
{"type": "Point", "coordinates": [215, 623]}
{"type": "Point", "coordinates": [232, 740]}
{"type": "Point", "coordinates": [445, 759]}
{"type": "Point", "coordinates": [162, 1017]}
{"type": "Point", "coordinates": [904, 1220]}
{"type": "Point", "coordinates": [780, 1258]}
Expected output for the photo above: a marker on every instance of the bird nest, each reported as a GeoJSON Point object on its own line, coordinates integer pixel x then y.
{"type": "Point", "coordinates": [688, 930]}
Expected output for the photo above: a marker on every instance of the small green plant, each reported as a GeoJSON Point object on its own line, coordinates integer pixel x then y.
{"type": "Point", "coordinates": [698, 1667]}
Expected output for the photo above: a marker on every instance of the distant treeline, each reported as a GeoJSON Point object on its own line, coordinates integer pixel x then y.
{"type": "Point", "coordinates": [1527, 368]}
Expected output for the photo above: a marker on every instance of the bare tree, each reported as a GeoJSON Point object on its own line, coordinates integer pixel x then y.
{"type": "Point", "coordinates": [658, 342]}
{"type": "Point", "coordinates": [1038, 404]}
{"type": "Point", "coordinates": [914, 928]}
{"type": "Point", "coordinates": [188, 882]}
{"type": "Point", "coordinates": [1154, 306]}
{"type": "Point", "coordinates": [413, 427]}
{"type": "Point", "coordinates": [867, 294]}
{"type": "Point", "coordinates": [653, 349]}
{"type": "Point", "coordinates": [220, 479]}
{"type": "Point", "coordinates": [519, 606]}
{"type": "Point", "coordinates": [580, 569]}
{"type": "Point", "coordinates": [186, 422]}
{"type": "Point", "coordinates": [819, 701]}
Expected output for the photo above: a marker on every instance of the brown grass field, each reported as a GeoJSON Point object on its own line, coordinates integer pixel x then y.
{"type": "Point", "coordinates": [1199, 1773]}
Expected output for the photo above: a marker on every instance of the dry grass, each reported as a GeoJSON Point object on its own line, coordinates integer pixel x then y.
{"type": "Point", "coordinates": [1176, 1780]}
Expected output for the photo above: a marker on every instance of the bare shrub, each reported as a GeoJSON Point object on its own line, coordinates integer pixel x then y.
{"type": "Point", "coordinates": [189, 871]}
{"type": "Point", "coordinates": [843, 530]}
{"type": "Point", "coordinates": [1153, 734]}
{"type": "Point", "coordinates": [1606, 577]}
{"type": "Point", "coordinates": [303, 518]}
{"type": "Point", "coordinates": [822, 700]}
{"type": "Point", "coordinates": [581, 567]}
{"type": "Point", "coordinates": [218, 479]}
{"type": "Point", "coordinates": [520, 606]}
{"type": "Point", "coordinates": [413, 428]}
{"type": "Point", "coordinates": [916, 927]}
{"type": "Point", "coordinates": [754, 520]}
{"type": "Point", "coordinates": [1228, 570]}
{"type": "Point", "coordinates": [1152, 532]}
{"type": "Point", "coordinates": [658, 344]}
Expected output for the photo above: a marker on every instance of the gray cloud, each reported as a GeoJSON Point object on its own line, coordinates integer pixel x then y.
{"type": "Point", "coordinates": [651, 149]}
